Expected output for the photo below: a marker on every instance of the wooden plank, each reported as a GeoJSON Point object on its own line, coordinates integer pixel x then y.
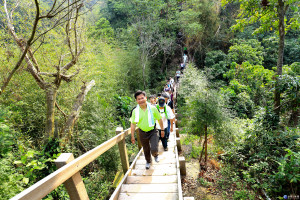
{"type": "Point", "coordinates": [161, 152]}
{"type": "Point", "coordinates": [148, 196]}
{"type": "Point", "coordinates": [123, 151]}
{"type": "Point", "coordinates": [116, 193]}
{"type": "Point", "coordinates": [151, 179]}
{"type": "Point", "coordinates": [178, 144]}
{"type": "Point", "coordinates": [161, 157]}
{"type": "Point", "coordinates": [149, 188]}
{"type": "Point", "coordinates": [74, 185]}
{"type": "Point", "coordinates": [153, 172]}
{"type": "Point", "coordinates": [157, 167]}
{"type": "Point", "coordinates": [165, 161]}
{"type": "Point", "coordinates": [182, 166]}
{"type": "Point", "coordinates": [52, 181]}
{"type": "Point", "coordinates": [180, 195]}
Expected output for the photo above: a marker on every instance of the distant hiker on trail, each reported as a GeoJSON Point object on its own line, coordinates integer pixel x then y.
{"type": "Point", "coordinates": [178, 72]}
{"type": "Point", "coordinates": [166, 114]}
{"type": "Point", "coordinates": [144, 116]}
{"type": "Point", "coordinates": [185, 59]}
{"type": "Point", "coordinates": [182, 65]}
{"type": "Point", "coordinates": [152, 100]}
{"type": "Point", "coordinates": [171, 82]}
{"type": "Point", "coordinates": [166, 88]}
{"type": "Point", "coordinates": [166, 96]}
{"type": "Point", "coordinates": [185, 50]}
{"type": "Point", "coordinates": [158, 95]}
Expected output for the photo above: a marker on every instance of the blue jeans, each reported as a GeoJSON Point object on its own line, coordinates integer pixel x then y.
{"type": "Point", "coordinates": [168, 131]}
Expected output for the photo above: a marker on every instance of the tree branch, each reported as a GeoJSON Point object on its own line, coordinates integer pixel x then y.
{"type": "Point", "coordinates": [77, 108]}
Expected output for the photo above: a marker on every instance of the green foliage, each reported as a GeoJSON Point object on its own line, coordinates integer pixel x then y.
{"type": "Point", "coordinates": [203, 106]}
{"type": "Point", "coordinates": [253, 79]}
{"type": "Point", "coordinates": [243, 195]}
{"type": "Point", "coordinates": [251, 12]}
{"type": "Point", "coordinates": [102, 30]}
{"type": "Point", "coordinates": [242, 51]}
{"type": "Point", "coordinates": [288, 173]}
{"type": "Point", "coordinates": [216, 63]}
{"type": "Point", "coordinates": [257, 155]}
{"type": "Point", "coordinates": [203, 182]}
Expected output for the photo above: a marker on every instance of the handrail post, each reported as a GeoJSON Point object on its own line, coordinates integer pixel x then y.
{"type": "Point", "coordinates": [178, 144]}
{"type": "Point", "coordinates": [74, 185]}
{"type": "Point", "coordinates": [138, 138]}
{"type": "Point", "coordinates": [123, 151]}
{"type": "Point", "coordinates": [182, 166]}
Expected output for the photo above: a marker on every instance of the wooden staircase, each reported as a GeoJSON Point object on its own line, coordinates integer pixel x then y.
{"type": "Point", "coordinates": [160, 182]}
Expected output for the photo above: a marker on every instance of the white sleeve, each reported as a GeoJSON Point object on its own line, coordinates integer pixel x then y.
{"type": "Point", "coordinates": [170, 113]}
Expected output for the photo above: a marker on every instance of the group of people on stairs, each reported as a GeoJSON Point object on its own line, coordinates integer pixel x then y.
{"type": "Point", "coordinates": [154, 119]}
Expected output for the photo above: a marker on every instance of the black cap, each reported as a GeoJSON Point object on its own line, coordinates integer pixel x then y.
{"type": "Point", "coordinates": [161, 101]}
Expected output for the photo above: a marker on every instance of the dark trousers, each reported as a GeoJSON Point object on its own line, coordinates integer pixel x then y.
{"type": "Point", "coordinates": [164, 140]}
{"type": "Point", "coordinates": [149, 142]}
{"type": "Point", "coordinates": [169, 128]}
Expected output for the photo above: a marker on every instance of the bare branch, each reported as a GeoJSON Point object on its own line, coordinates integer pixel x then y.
{"type": "Point", "coordinates": [64, 114]}
{"type": "Point", "coordinates": [77, 108]}
{"type": "Point", "coordinates": [19, 42]}
{"type": "Point", "coordinates": [73, 62]}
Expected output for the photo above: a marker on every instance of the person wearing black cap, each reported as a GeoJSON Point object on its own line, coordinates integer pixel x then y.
{"type": "Point", "coordinates": [166, 113]}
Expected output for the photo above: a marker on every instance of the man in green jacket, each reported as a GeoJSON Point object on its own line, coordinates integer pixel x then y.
{"type": "Point", "coordinates": [144, 117]}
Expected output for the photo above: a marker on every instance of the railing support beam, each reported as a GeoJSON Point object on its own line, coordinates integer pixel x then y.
{"type": "Point", "coordinates": [178, 144]}
{"type": "Point", "coordinates": [123, 151]}
{"type": "Point", "coordinates": [74, 185]}
{"type": "Point", "coordinates": [182, 166]}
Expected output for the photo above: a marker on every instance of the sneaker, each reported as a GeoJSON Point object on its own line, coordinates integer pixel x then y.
{"type": "Point", "coordinates": [147, 165]}
{"type": "Point", "coordinates": [166, 149]}
{"type": "Point", "coordinates": [156, 159]}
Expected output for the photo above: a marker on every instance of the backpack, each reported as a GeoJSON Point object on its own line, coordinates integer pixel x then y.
{"type": "Point", "coordinates": [165, 110]}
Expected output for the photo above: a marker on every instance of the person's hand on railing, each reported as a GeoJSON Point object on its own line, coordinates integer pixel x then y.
{"type": "Point", "coordinates": [132, 140]}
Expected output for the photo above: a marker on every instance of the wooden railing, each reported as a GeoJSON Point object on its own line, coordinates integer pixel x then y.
{"type": "Point", "coordinates": [69, 169]}
{"type": "Point", "coordinates": [68, 172]}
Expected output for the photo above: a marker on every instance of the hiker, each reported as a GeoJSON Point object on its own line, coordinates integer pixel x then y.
{"type": "Point", "coordinates": [168, 103]}
{"type": "Point", "coordinates": [185, 59]}
{"type": "Point", "coordinates": [166, 87]}
{"type": "Point", "coordinates": [185, 50]}
{"type": "Point", "coordinates": [152, 100]}
{"type": "Point", "coordinates": [166, 114]}
{"type": "Point", "coordinates": [158, 95]}
{"type": "Point", "coordinates": [171, 82]}
{"type": "Point", "coordinates": [178, 72]}
{"type": "Point", "coordinates": [144, 116]}
{"type": "Point", "coordinates": [182, 66]}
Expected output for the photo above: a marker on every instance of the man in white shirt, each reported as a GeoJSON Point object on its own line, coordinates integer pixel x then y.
{"type": "Point", "coordinates": [166, 113]}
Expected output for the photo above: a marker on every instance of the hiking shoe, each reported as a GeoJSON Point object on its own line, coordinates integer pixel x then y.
{"type": "Point", "coordinates": [156, 159]}
{"type": "Point", "coordinates": [147, 165]}
{"type": "Point", "coordinates": [166, 149]}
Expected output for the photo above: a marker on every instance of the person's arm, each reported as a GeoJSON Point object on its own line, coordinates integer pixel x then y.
{"type": "Point", "coordinates": [132, 128]}
{"type": "Point", "coordinates": [161, 124]}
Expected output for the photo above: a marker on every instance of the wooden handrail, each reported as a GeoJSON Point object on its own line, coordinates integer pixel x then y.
{"type": "Point", "coordinates": [52, 181]}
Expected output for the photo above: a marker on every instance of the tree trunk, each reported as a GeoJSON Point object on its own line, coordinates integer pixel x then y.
{"type": "Point", "coordinates": [68, 128]}
{"type": "Point", "coordinates": [205, 130]}
{"type": "Point", "coordinates": [202, 151]}
{"type": "Point", "coordinates": [281, 13]}
{"type": "Point", "coordinates": [144, 78]}
{"type": "Point", "coordinates": [293, 121]}
{"type": "Point", "coordinates": [163, 63]}
{"type": "Point", "coordinates": [51, 92]}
